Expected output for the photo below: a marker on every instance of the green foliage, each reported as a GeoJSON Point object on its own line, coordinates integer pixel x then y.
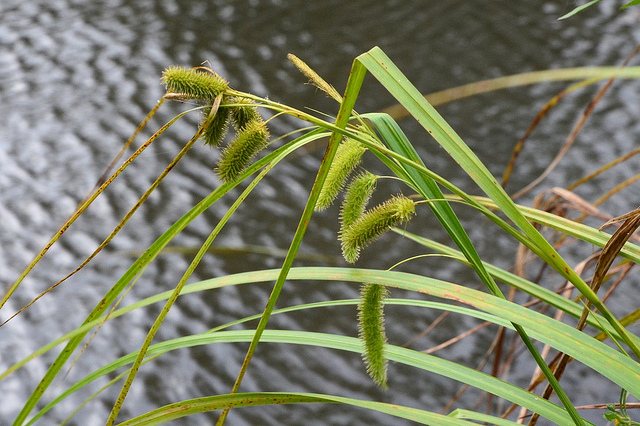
{"type": "Point", "coordinates": [358, 228]}
{"type": "Point", "coordinates": [588, 4]}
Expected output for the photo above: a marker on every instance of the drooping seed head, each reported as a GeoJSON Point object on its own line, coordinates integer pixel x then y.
{"type": "Point", "coordinates": [373, 223]}
{"type": "Point", "coordinates": [372, 331]}
{"type": "Point", "coordinates": [241, 150]}
{"type": "Point", "coordinates": [356, 198]}
{"type": "Point", "coordinates": [215, 129]}
{"type": "Point", "coordinates": [348, 156]}
{"type": "Point", "coordinates": [243, 113]}
{"type": "Point", "coordinates": [194, 84]}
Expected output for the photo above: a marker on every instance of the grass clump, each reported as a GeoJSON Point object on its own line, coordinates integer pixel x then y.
{"type": "Point", "coordinates": [359, 227]}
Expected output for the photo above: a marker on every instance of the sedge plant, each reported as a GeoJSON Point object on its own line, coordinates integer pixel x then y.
{"type": "Point", "coordinates": [351, 136]}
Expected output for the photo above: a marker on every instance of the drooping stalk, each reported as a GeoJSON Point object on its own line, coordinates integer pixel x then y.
{"type": "Point", "coordinates": [103, 183]}
{"type": "Point", "coordinates": [122, 222]}
{"type": "Point", "coordinates": [176, 292]}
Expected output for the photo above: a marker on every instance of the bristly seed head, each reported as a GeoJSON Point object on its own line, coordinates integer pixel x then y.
{"type": "Point", "coordinates": [347, 158]}
{"type": "Point", "coordinates": [356, 198]}
{"type": "Point", "coordinates": [372, 331]}
{"type": "Point", "coordinates": [194, 84]}
{"type": "Point", "coordinates": [244, 113]}
{"type": "Point", "coordinates": [217, 128]}
{"type": "Point", "coordinates": [252, 139]}
{"type": "Point", "coordinates": [373, 223]}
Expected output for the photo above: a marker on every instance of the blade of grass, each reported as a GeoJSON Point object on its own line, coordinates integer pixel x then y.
{"type": "Point", "coordinates": [397, 354]}
{"type": "Point", "coordinates": [578, 9]}
{"type": "Point", "coordinates": [480, 417]}
{"type": "Point", "coordinates": [251, 399]}
{"type": "Point", "coordinates": [393, 136]}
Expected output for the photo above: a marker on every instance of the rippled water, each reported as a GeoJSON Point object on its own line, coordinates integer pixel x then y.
{"type": "Point", "coordinates": [76, 76]}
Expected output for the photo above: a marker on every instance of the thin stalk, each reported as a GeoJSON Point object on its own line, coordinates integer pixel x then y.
{"type": "Point", "coordinates": [176, 292]}
{"type": "Point", "coordinates": [129, 141]}
{"type": "Point", "coordinates": [82, 207]}
{"type": "Point", "coordinates": [115, 230]}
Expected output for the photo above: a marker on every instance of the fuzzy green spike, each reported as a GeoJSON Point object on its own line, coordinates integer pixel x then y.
{"type": "Point", "coordinates": [356, 198]}
{"type": "Point", "coordinates": [194, 84]}
{"type": "Point", "coordinates": [216, 130]}
{"type": "Point", "coordinates": [244, 114]}
{"type": "Point", "coordinates": [240, 151]}
{"type": "Point", "coordinates": [347, 158]}
{"type": "Point", "coordinates": [372, 331]}
{"type": "Point", "coordinates": [373, 223]}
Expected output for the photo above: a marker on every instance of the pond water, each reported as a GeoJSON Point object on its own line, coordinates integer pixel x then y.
{"type": "Point", "coordinates": [75, 78]}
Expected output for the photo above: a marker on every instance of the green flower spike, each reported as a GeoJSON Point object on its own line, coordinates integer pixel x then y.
{"type": "Point", "coordinates": [356, 198]}
{"type": "Point", "coordinates": [347, 158]}
{"type": "Point", "coordinates": [371, 331]}
{"type": "Point", "coordinates": [194, 84]}
{"type": "Point", "coordinates": [216, 130]}
{"type": "Point", "coordinates": [244, 114]}
{"type": "Point", "coordinates": [240, 151]}
{"type": "Point", "coordinates": [373, 223]}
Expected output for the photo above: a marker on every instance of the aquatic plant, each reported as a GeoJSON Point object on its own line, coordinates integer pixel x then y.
{"type": "Point", "coordinates": [350, 136]}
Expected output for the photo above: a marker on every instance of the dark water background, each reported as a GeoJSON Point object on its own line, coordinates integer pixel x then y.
{"type": "Point", "coordinates": [75, 78]}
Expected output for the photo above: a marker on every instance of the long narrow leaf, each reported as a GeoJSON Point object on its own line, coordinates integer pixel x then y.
{"type": "Point", "coordinates": [585, 349]}
{"type": "Point", "coordinates": [401, 88]}
{"type": "Point", "coordinates": [252, 399]}
{"type": "Point", "coordinates": [393, 136]}
{"type": "Point", "coordinates": [397, 354]}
